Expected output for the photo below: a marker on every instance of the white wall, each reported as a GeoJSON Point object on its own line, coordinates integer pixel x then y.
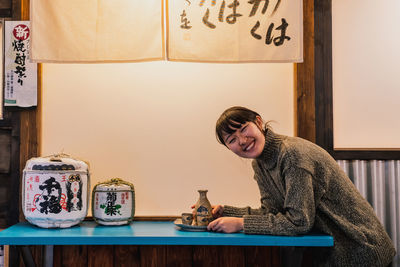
{"type": "Point", "coordinates": [153, 124]}
{"type": "Point", "coordinates": [366, 72]}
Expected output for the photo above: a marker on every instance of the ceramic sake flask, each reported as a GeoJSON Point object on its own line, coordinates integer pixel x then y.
{"type": "Point", "coordinates": [55, 191]}
{"type": "Point", "coordinates": [113, 202]}
{"type": "Point", "coordinates": [202, 210]}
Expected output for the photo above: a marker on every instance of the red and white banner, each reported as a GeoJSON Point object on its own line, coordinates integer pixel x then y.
{"type": "Point", "coordinates": [20, 86]}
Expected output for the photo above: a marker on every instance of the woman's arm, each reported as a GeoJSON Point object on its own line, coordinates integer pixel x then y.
{"type": "Point", "coordinates": [298, 213]}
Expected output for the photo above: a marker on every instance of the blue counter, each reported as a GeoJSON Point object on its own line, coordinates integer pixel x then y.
{"type": "Point", "coordinates": [147, 233]}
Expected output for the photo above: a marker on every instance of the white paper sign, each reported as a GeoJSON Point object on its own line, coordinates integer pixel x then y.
{"type": "Point", "coordinates": [20, 88]}
{"type": "Point", "coordinates": [92, 31]}
{"type": "Point", "coordinates": [235, 30]}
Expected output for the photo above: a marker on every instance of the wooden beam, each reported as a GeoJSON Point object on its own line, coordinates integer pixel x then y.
{"type": "Point", "coordinates": [304, 79]}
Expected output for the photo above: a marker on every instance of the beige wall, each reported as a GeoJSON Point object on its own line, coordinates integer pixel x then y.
{"type": "Point", "coordinates": [153, 124]}
{"type": "Point", "coordinates": [366, 84]}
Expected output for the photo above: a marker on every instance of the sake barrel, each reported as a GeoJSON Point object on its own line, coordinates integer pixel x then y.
{"type": "Point", "coordinates": [113, 202]}
{"type": "Point", "coordinates": [55, 191]}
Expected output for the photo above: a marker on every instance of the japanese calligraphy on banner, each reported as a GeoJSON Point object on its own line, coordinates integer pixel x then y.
{"type": "Point", "coordinates": [235, 30]}
{"type": "Point", "coordinates": [20, 87]}
{"type": "Point", "coordinates": [79, 31]}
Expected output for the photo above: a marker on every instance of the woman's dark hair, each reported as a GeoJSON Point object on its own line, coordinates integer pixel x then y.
{"type": "Point", "coordinates": [232, 119]}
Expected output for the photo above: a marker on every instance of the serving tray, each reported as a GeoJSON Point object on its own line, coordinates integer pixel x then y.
{"type": "Point", "coordinates": [191, 228]}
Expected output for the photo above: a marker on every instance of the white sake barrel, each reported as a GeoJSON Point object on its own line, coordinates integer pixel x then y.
{"type": "Point", "coordinates": [113, 202]}
{"type": "Point", "coordinates": [55, 191]}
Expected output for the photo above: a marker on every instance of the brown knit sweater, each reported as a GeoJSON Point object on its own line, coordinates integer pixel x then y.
{"type": "Point", "coordinates": [303, 188]}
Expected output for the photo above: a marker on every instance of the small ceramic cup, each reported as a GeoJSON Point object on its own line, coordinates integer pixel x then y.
{"type": "Point", "coordinates": [202, 220]}
{"type": "Point", "coordinates": [187, 218]}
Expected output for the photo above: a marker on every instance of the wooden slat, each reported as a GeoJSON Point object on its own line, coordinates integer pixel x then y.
{"type": "Point", "coordinates": [275, 257]}
{"type": "Point", "coordinates": [74, 255]}
{"type": "Point", "coordinates": [57, 256]}
{"type": "Point", "coordinates": [125, 256]}
{"type": "Point", "coordinates": [14, 183]}
{"type": "Point", "coordinates": [37, 253]}
{"type": "Point", "coordinates": [232, 256]}
{"type": "Point", "coordinates": [100, 256]}
{"type": "Point", "coordinates": [205, 256]}
{"type": "Point", "coordinates": [304, 79]}
{"type": "Point", "coordinates": [16, 9]}
{"type": "Point", "coordinates": [258, 256]}
{"type": "Point", "coordinates": [323, 73]}
{"type": "Point", "coordinates": [153, 256]}
{"type": "Point", "coordinates": [5, 150]}
{"type": "Point", "coordinates": [5, 4]}
{"type": "Point", "coordinates": [179, 256]}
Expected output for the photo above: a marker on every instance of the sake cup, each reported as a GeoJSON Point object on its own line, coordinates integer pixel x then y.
{"type": "Point", "coordinates": [187, 218]}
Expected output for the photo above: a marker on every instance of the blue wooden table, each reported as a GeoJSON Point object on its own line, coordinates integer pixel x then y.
{"type": "Point", "coordinates": [144, 233]}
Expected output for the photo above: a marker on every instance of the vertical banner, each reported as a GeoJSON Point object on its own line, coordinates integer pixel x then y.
{"type": "Point", "coordinates": [85, 31]}
{"type": "Point", "coordinates": [20, 74]}
{"type": "Point", "coordinates": [235, 30]}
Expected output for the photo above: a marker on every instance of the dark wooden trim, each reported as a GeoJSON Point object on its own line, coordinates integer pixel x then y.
{"type": "Point", "coordinates": [304, 79]}
{"type": "Point", "coordinates": [5, 12]}
{"type": "Point", "coordinates": [366, 154]}
{"type": "Point", "coordinates": [323, 73]}
{"type": "Point", "coordinates": [14, 188]}
{"type": "Point", "coordinates": [317, 119]}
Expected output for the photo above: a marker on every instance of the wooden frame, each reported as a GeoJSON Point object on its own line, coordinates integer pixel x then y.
{"type": "Point", "coordinates": [314, 86]}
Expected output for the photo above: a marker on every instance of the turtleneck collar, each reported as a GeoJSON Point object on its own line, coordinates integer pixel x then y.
{"type": "Point", "coordinates": [269, 155]}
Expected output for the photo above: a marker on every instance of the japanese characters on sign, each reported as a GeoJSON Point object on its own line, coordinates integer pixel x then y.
{"type": "Point", "coordinates": [235, 30]}
{"type": "Point", "coordinates": [53, 195]}
{"type": "Point", "coordinates": [20, 74]}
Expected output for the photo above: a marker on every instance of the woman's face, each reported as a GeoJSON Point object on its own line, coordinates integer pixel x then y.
{"type": "Point", "coordinates": [248, 141]}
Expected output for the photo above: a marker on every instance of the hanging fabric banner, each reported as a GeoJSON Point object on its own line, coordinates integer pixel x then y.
{"type": "Point", "coordinates": [20, 87]}
{"type": "Point", "coordinates": [76, 31]}
{"type": "Point", "coordinates": [235, 30]}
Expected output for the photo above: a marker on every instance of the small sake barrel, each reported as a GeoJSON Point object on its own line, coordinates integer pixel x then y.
{"type": "Point", "coordinates": [113, 202]}
{"type": "Point", "coordinates": [55, 191]}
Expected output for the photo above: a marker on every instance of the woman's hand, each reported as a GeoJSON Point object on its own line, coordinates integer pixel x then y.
{"type": "Point", "coordinates": [226, 225]}
{"type": "Point", "coordinates": [217, 211]}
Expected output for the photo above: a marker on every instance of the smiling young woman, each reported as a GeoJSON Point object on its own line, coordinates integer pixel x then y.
{"type": "Point", "coordinates": [302, 189]}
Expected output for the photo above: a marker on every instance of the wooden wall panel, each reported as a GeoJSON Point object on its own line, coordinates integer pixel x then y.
{"type": "Point", "coordinates": [258, 256]}
{"type": "Point", "coordinates": [179, 256]}
{"type": "Point", "coordinates": [231, 256]}
{"type": "Point", "coordinates": [100, 256]}
{"type": "Point", "coordinates": [153, 256]}
{"type": "Point", "coordinates": [126, 256]}
{"type": "Point", "coordinates": [304, 79]}
{"type": "Point", "coordinates": [5, 150]}
{"type": "Point", "coordinates": [73, 256]}
{"type": "Point", "coordinates": [205, 256]}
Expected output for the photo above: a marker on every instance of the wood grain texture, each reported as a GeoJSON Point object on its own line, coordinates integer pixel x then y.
{"type": "Point", "coordinates": [304, 79]}
{"type": "Point", "coordinates": [179, 256]}
{"type": "Point", "coordinates": [99, 256]}
{"type": "Point", "coordinates": [257, 256]}
{"type": "Point", "coordinates": [232, 256]}
{"type": "Point", "coordinates": [153, 256]}
{"type": "Point", "coordinates": [73, 255]}
{"type": "Point", "coordinates": [275, 257]}
{"type": "Point", "coordinates": [5, 150]}
{"type": "Point", "coordinates": [205, 256]}
{"type": "Point", "coordinates": [126, 256]}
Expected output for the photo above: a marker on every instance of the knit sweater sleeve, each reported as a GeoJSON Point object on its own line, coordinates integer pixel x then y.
{"type": "Point", "coordinates": [266, 206]}
{"type": "Point", "coordinates": [298, 213]}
